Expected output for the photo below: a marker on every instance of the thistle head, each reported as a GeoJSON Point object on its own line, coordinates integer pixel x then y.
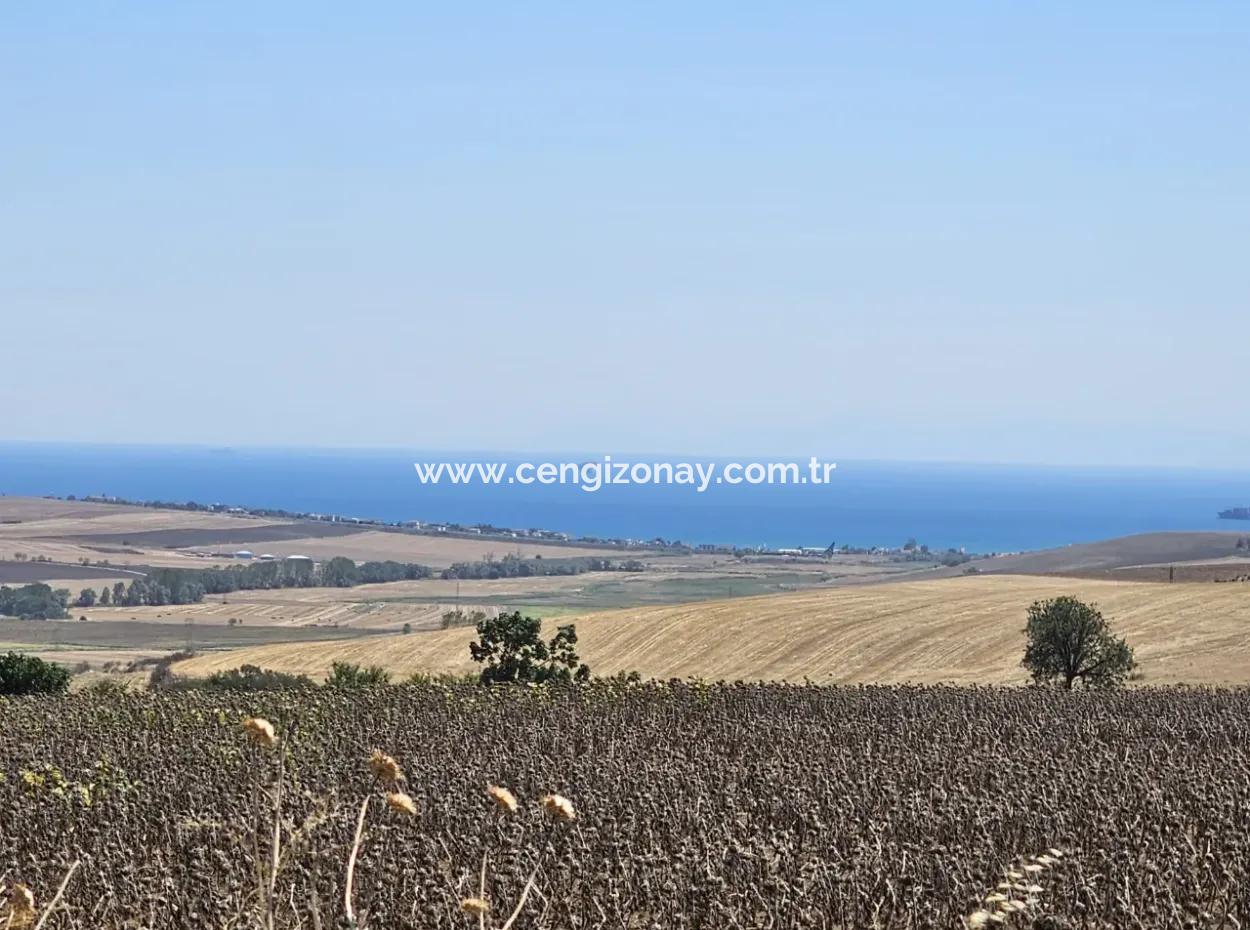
{"type": "Point", "coordinates": [559, 807]}
{"type": "Point", "coordinates": [384, 768]}
{"type": "Point", "coordinates": [401, 803]}
{"type": "Point", "coordinates": [261, 732]}
{"type": "Point", "coordinates": [504, 799]}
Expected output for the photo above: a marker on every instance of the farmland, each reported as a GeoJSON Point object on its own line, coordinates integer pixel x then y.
{"type": "Point", "coordinates": [695, 806]}
{"type": "Point", "coordinates": [962, 630]}
{"type": "Point", "coordinates": [133, 537]}
{"type": "Point", "coordinates": [76, 545]}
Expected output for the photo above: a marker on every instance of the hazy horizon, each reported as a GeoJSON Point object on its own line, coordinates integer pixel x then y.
{"type": "Point", "coordinates": [969, 234]}
{"type": "Point", "coordinates": [629, 455]}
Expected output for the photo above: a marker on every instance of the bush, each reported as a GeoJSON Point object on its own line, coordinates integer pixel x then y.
{"type": "Point", "coordinates": [253, 678]}
{"type": "Point", "coordinates": [21, 674]}
{"type": "Point", "coordinates": [425, 679]}
{"type": "Point", "coordinates": [107, 688]}
{"type": "Point", "coordinates": [162, 676]}
{"type": "Point", "coordinates": [348, 675]}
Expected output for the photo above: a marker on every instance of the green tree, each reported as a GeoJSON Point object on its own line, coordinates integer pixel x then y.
{"type": "Point", "coordinates": [1070, 640]}
{"type": "Point", "coordinates": [511, 650]}
{"type": "Point", "coordinates": [34, 601]}
{"type": "Point", "coordinates": [104, 596]}
{"type": "Point", "coordinates": [86, 598]}
{"type": "Point", "coordinates": [21, 674]}
{"type": "Point", "coordinates": [351, 676]}
{"type": "Point", "coordinates": [339, 572]}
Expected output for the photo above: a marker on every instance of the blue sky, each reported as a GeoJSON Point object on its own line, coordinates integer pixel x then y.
{"type": "Point", "coordinates": [983, 232]}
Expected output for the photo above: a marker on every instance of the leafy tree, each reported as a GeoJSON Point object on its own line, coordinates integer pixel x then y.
{"type": "Point", "coordinates": [1070, 640]}
{"type": "Point", "coordinates": [34, 601]}
{"type": "Point", "coordinates": [351, 676]}
{"type": "Point", "coordinates": [21, 674]}
{"type": "Point", "coordinates": [380, 572]}
{"type": "Point", "coordinates": [511, 650]}
{"type": "Point", "coordinates": [86, 598]}
{"type": "Point", "coordinates": [104, 596]}
{"type": "Point", "coordinates": [339, 572]}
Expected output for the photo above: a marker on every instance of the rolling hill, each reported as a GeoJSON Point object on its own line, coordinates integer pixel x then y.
{"type": "Point", "coordinates": [966, 630]}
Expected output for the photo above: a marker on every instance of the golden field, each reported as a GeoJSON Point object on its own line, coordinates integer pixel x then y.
{"type": "Point", "coordinates": [966, 630]}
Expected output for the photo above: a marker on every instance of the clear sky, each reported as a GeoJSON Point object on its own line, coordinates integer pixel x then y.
{"type": "Point", "coordinates": [989, 232]}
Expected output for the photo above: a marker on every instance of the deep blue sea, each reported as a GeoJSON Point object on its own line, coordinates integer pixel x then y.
{"type": "Point", "coordinates": [984, 508]}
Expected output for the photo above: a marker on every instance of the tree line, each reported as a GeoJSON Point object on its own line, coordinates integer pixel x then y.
{"type": "Point", "coordinates": [165, 586]}
{"type": "Point", "coordinates": [513, 566]}
{"type": "Point", "coordinates": [34, 601]}
{"type": "Point", "coordinates": [189, 586]}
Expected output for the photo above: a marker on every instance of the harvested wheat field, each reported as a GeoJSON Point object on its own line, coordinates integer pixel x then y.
{"type": "Point", "coordinates": [33, 517]}
{"type": "Point", "coordinates": [962, 630]}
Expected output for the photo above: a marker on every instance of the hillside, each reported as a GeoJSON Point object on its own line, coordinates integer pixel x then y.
{"type": "Point", "coordinates": [966, 630]}
{"type": "Point", "coordinates": [1142, 549]}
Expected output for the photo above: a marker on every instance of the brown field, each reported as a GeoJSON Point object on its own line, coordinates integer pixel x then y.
{"type": "Point", "coordinates": [62, 575]}
{"type": "Point", "coordinates": [66, 531]}
{"type": "Point", "coordinates": [112, 519]}
{"type": "Point", "coordinates": [227, 537]}
{"type": "Point", "coordinates": [128, 557]}
{"type": "Point", "coordinates": [421, 604]}
{"type": "Point", "coordinates": [1220, 570]}
{"type": "Point", "coordinates": [109, 637]}
{"type": "Point", "coordinates": [42, 508]}
{"type": "Point", "coordinates": [436, 551]}
{"type": "Point", "coordinates": [963, 630]}
{"type": "Point", "coordinates": [760, 618]}
{"type": "Point", "coordinates": [1123, 552]}
{"type": "Point", "coordinates": [274, 610]}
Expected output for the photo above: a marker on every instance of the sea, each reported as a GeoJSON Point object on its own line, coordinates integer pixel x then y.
{"type": "Point", "coordinates": [979, 508]}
